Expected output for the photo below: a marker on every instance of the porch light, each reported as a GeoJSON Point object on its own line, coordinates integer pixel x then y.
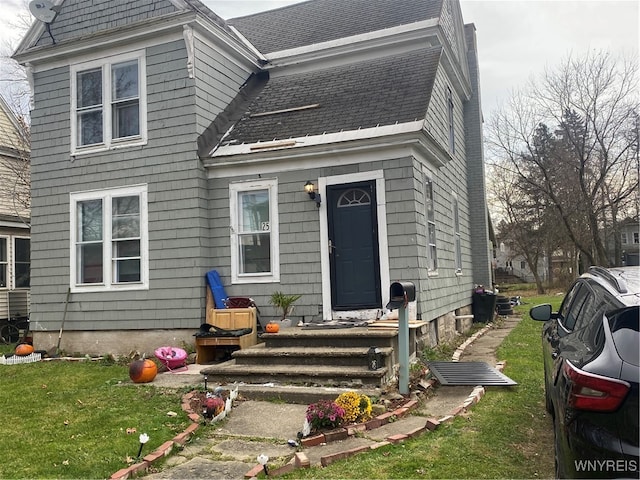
{"type": "Point", "coordinates": [310, 188]}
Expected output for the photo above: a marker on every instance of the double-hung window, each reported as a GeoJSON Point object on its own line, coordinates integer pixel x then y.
{"type": "Point", "coordinates": [254, 231]}
{"type": "Point", "coordinates": [15, 262]}
{"type": "Point", "coordinates": [429, 207]}
{"type": "Point", "coordinates": [456, 234]}
{"type": "Point", "coordinates": [108, 103]}
{"type": "Point", "coordinates": [109, 240]}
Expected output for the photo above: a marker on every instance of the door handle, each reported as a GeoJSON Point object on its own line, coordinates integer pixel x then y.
{"type": "Point", "coordinates": [331, 247]}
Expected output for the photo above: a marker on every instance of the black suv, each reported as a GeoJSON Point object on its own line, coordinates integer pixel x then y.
{"type": "Point", "coordinates": [591, 357]}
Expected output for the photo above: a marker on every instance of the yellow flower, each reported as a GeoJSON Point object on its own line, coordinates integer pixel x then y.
{"type": "Point", "coordinates": [357, 407]}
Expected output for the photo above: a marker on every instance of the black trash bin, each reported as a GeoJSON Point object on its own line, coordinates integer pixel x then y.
{"type": "Point", "coordinates": [483, 306]}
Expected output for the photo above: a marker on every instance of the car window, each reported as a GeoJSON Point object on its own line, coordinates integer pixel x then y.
{"type": "Point", "coordinates": [573, 311]}
{"type": "Point", "coordinates": [566, 303]}
{"type": "Point", "coordinates": [624, 329]}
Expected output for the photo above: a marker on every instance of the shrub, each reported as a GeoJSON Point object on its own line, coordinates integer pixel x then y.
{"type": "Point", "coordinates": [325, 414]}
{"type": "Point", "coordinates": [357, 407]}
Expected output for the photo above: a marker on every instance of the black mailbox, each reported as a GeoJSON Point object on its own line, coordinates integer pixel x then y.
{"type": "Point", "coordinates": [401, 293]}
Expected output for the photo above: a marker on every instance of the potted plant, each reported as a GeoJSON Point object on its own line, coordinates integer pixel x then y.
{"type": "Point", "coordinates": [285, 304]}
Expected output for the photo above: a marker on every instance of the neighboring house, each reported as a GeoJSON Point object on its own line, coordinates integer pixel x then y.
{"type": "Point", "coordinates": [167, 142]}
{"type": "Point", "coordinates": [629, 243]}
{"type": "Point", "coordinates": [14, 216]}
{"type": "Point", "coordinates": [507, 262]}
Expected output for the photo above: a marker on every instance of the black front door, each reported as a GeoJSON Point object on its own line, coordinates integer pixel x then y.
{"type": "Point", "coordinates": [353, 246]}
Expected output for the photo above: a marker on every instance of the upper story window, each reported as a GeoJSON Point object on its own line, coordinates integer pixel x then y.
{"type": "Point", "coordinates": [108, 103]}
{"type": "Point", "coordinates": [450, 117]}
{"type": "Point", "coordinates": [636, 237]}
{"type": "Point", "coordinates": [623, 238]}
{"type": "Point", "coordinates": [254, 231]}
{"type": "Point", "coordinates": [109, 239]}
{"type": "Point", "coordinates": [429, 207]}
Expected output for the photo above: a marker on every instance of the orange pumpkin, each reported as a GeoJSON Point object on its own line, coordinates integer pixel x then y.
{"type": "Point", "coordinates": [24, 349]}
{"type": "Point", "coordinates": [143, 370]}
{"type": "Point", "coordinates": [272, 327]}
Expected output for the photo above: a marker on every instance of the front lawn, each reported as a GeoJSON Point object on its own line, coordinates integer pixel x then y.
{"type": "Point", "coordinates": [83, 419]}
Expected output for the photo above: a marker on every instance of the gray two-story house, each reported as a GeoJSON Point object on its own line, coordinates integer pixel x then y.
{"type": "Point", "coordinates": [168, 142]}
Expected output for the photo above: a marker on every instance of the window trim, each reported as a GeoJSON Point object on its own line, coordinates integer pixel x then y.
{"type": "Point", "coordinates": [451, 121]}
{"type": "Point", "coordinates": [7, 263]}
{"type": "Point", "coordinates": [107, 194]}
{"type": "Point", "coordinates": [109, 143]}
{"type": "Point", "coordinates": [428, 179]}
{"type": "Point", "coordinates": [244, 186]}
{"type": "Point", "coordinates": [457, 237]}
{"type": "Point", "coordinates": [13, 261]}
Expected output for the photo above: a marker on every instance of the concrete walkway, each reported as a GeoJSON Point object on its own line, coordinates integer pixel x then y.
{"type": "Point", "coordinates": [255, 427]}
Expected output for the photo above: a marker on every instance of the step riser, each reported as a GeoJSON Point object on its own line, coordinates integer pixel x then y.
{"type": "Point", "coordinates": [334, 381]}
{"type": "Point", "coordinates": [276, 341]}
{"type": "Point", "coordinates": [303, 360]}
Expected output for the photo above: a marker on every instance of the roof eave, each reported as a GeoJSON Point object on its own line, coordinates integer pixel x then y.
{"type": "Point", "coordinates": [410, 134]}
{"type": "Point", "coordinates": [355, 43]}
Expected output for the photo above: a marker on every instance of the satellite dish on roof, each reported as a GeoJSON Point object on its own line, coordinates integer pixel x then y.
{"type": "Point", "coordinates": [43, 10]}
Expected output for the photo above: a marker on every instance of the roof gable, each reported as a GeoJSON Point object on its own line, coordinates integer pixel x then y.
{"type": "Point", "coordinates": [316, 21]}
{"type": "Point", "coordinates": [82, 18]}
{"type": "Point", "coordinates": [384, 91]}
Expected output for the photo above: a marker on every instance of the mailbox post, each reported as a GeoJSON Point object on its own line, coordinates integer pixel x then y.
{"type": "Point", "coordinates": [400, 294]}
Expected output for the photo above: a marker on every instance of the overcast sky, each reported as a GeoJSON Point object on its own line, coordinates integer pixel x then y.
{"type": "Point", "coordinates": [517, 39]}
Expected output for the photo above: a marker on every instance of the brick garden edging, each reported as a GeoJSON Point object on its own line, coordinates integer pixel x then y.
{"type": "Point", "coordinates": [299, 459]}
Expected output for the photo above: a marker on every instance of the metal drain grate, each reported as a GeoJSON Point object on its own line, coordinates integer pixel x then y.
{"type": "Point", "coordinates": [468, 373]}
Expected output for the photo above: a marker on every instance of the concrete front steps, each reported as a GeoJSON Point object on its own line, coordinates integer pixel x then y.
{"type": "Point", "coordinates": [318, 357]}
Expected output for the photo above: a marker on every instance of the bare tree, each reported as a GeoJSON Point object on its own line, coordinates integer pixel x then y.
{"type": "Point", "coordinates": [583, 168]}
{"type": "Point", "coordinates": [14, 86]}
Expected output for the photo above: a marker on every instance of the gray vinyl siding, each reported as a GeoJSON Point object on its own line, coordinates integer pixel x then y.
{"type": "Point", "coordinates": [218, 82]}
{"type": "Point", "coordinates": [177, 225]}
{"type": "Point", "coordinates": [300, 270]}
{"type": "Point", "coordinates": [445, 291]}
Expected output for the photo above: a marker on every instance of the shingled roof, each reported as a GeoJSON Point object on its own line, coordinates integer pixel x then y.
{"type": "Point", "coordinates": [316, 21]}
{"type": "Point", "coordinates": [384, 91]}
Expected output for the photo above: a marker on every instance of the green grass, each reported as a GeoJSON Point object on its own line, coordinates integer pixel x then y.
{"type": "Point", "coordinates": [507, 435]}
{"type": "Point", "coordinates": [70, 419]}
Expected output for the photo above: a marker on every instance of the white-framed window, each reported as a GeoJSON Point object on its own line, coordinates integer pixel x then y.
{"type": "Point", "coordinates": [255, 251]}
{"type": "Point", "coordinates": [4, 262]}
{"type": "Point", "coordinates": [430, 216]}
{"type": "Point", "coordinates": [15, 262]}
{"type": "Point", "coordinates": [451, 124]}
{"type": "Point", "coordinates": [108, 103]}
{"type": "Point", "coordinates": [623, 238]}
{"type": "Point", "coordinates": [456, 233]}
{"type": "Point", "coordinates": [109, 239]}
{"type": "Point", "coordinates": [21, 262]}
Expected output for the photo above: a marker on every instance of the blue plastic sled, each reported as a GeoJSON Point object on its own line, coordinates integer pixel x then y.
{"type": "Point", "coordinates": [217, 289]}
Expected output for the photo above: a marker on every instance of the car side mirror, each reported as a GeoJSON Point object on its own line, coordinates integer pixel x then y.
{"type": "Point", "coordinates": [542, 313]}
